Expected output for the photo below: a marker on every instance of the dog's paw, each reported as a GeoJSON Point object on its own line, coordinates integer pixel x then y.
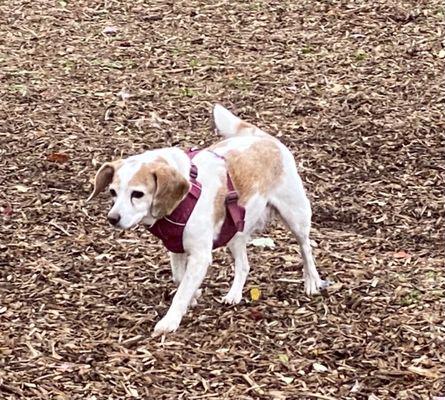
{"type": "Point", "coordinates": [325, 284]}
{"type": "Point", "coordinates": [313, 286]}
{"type": "Point", "coordinates": [232, 298]}
{"type": "Point", "coordinates": [166, 325]}
{"type": "Point", "coordinates": [196, 296]}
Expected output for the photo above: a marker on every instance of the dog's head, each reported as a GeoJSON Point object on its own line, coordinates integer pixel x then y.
{"type": "Point", "coordinates": [142, 192]}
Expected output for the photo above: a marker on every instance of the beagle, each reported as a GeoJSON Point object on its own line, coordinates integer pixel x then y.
{"type": "Point", "coordinates": [218, 196]}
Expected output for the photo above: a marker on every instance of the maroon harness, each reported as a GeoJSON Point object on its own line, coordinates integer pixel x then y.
{"type": "Point", "coordinates": [170, 229]}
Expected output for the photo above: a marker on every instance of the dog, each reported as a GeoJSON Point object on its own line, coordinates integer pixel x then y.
{"type": "Point", "coordinates": [234, 183]}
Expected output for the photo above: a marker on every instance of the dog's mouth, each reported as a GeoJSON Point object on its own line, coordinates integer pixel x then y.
{"type": "Point", "coordinates": [128, 226]}
{"type": "Point", "coordinates": [149, 220]}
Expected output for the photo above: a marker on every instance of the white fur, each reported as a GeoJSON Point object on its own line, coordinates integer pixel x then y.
{"type": "Point", "coordinates": [225, 122]}
{"type": "Point", "coordinates": [190, 268]}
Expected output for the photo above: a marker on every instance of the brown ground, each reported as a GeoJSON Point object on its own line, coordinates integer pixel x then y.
{"type": "Point", "coordinates": [352, 87]}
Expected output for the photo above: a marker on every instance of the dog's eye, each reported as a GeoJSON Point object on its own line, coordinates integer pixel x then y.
{"type": "Point", "coordinates": [136, 194]}
{"type": "Point", "coordinates": [113, 192]}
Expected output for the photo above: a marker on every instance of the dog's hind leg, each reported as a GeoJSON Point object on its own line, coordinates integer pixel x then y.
{"type": "Point", "coordinates": [299, 223]}
{"type": "Point", "coordinates": [237, 247]}
{"type": "Point", "coordinates": [294, 208]}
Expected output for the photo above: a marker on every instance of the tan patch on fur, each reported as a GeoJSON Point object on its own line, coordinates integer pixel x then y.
{"type": "Point", "coordinates": [255, 170]}
{"type": "Point", "coordinates": [144, 177]}
{"type": "Point", "coordinates": [219, 203]}
{"type": "Point", "coordinates": [171, 188]}
{"type": "Point", "coordinates": [244, 128]}
{"type": "Point", "coordinates": [160, 160]}
{"type": "Point", "coordinates": [167, 186]}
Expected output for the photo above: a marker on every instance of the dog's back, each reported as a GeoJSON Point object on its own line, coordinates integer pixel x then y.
{"type": "Point", "coordinates": [257, 162]}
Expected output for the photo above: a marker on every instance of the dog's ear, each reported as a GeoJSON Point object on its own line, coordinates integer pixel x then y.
{"type": "Point", "coordinates": [103, 178]}
{"type": "Point", "coordinates": [171, 188]}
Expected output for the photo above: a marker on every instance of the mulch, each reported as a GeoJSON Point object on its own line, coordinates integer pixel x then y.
{"type": "Point", "coordinates": [355, 89]}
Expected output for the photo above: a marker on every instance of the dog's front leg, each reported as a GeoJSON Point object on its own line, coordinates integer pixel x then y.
{"type": "Point", "coordinates": [196, 269]}
{"type": "Point", "coordinates": [178, 262]}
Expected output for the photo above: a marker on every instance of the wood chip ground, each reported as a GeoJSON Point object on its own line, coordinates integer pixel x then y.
{"type": "Point", "coordinates": [354, 88]}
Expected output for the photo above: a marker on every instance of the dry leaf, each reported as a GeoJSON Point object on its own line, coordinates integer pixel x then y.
{"type": "Point", "coordinates": [58, 157]}
{"type": "Point", "coordinates": [357, 387]}
{"type": "Point", "coordinates": [337, 88]}
{"type": "Point", "coordinates": [110, 30]}
{"type": "Point", "coordinates": [263, 242]}
{"type": "Point", "coordinates": [429, 373]}
{"type": "Point", "coordinates": [21, 188]}
{"type": "Point", "coordinates": [7, 210]}
{"type": "Point", "coordinates": [256, 314]}
{"type": "Point", "coordinates": [401, 254]}
{"type": "Point", "coordinates": [277, 395]}
{"type": "Point", "coordinates": [283, 358]}
{"type": "Point", "coordinates": [334, 287]}
{"type": "Point", "coordinates": [319, 367]}
{"type": "Point", "coordinates": [287, 379]}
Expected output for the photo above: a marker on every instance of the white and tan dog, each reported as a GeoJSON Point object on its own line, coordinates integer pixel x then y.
{"type": "Point", "coordinates": [149, 186]}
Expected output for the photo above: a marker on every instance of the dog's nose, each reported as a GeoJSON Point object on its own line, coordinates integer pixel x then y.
{"type": "Point", "coordinates": [114, 219]}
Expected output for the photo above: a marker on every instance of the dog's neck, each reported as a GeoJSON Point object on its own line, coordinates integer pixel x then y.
{"type": "Point", "coordinates": [178, 159]}
{"type": "Point", "coordinates": [174, 156]}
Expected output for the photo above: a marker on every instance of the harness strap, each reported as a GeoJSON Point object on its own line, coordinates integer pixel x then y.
{"type": "Point", "coordinates": [178, 217]}
{"type": "Point", "coordinates": [236, 212]}
{"type": "Point", "coordinates": [195, 189]}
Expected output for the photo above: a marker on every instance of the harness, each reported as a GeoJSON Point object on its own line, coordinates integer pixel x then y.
{"type": "Point", "coordinates": [170, 229]}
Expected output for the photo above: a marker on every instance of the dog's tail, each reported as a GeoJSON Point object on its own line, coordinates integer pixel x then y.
{"type": "Point", "coordinates": [229, 125]}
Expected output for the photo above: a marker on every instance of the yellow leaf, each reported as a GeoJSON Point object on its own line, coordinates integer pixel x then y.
{"type": "Point", "coordinates": [255, 293]}
{"type": "Point", "coordinates": [283, 358]}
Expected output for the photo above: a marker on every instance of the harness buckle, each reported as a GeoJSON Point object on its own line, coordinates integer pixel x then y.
{"type": "Point", "coordinates": [193, 171]}
{"type": "Point", "coordinates": [232, 197]}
